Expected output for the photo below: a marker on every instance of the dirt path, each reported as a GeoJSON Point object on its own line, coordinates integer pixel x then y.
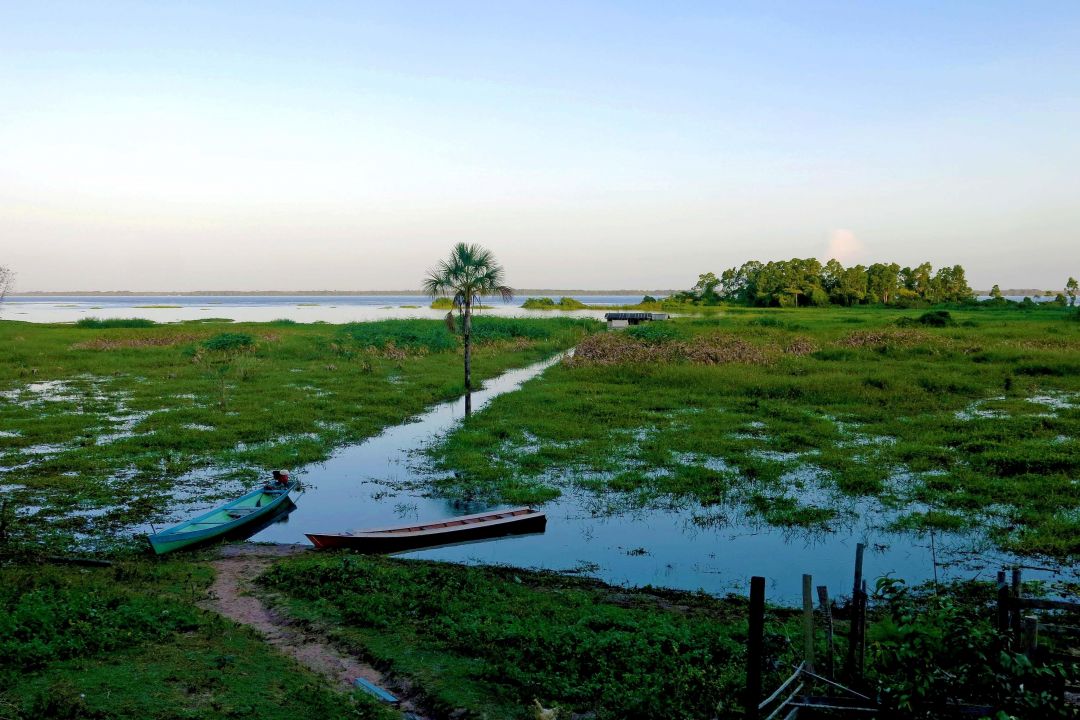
{"type": "Point", "coordinates": [230, 596]}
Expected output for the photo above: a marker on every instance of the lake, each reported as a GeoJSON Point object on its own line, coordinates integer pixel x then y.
{"type": "Point", "coordinates": [264, 308]}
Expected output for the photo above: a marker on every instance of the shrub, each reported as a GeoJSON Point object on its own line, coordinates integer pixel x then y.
{"type": "Point", "coordinates": [929, 651]}
{"type": "Point", "coordinates": [655, 332]}
{"type": "Point", "coordinates": [546, 303]}
{"type": "Point", "coordinates": [569, 303]}
{"type": "Point", "coordinates": [229, 342]}
{"type": "Point", "coordinates": [99, 323]}
{"type": "Point", "coordinates": [442, 303]}
{"type": "Point", "coordinates": [934, 318]}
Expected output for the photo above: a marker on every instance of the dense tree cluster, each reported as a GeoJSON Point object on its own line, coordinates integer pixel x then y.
{"type": "Point", "coordinates": [802, 282]}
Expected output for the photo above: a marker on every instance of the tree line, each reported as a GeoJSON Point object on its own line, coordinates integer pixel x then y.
{"type": "Point", "coordinates": [807, 282]}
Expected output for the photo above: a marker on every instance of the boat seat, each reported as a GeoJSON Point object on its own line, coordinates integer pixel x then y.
{"type": "Point", "coordinates": [239, 512]}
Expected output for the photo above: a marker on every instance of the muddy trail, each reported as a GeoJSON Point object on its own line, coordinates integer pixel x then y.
{"type": "Point", "coordinates": [231, 596]}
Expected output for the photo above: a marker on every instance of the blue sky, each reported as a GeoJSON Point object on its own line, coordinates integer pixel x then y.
{"type": "Point", "coordinates": [596, 145]}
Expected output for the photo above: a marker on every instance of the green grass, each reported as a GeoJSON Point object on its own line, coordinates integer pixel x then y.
{"type": "Point", "coordinates": [978, 421]}
{"type": "Point", "coordinates": [102, 426]}
{"type": "Point", "coordinates": [129, 642]}
{"type": "Point", "coordinates": [490, 640]}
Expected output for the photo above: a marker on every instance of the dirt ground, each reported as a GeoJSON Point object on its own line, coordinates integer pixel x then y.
{"type": "Point", "coordinates": [231, 596]}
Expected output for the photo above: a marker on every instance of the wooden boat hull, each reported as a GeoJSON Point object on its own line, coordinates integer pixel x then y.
{"type": "Point", "coordinates": [465, 528]}
{"type": "Point", "coordinates": [237, 518]}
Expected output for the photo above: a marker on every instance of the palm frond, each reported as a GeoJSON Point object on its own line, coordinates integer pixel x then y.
{"type": "Point", "coordinates": [470, 273]}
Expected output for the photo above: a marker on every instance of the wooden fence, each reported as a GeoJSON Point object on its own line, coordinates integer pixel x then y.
{"type": "Point", "coordinates": [786, 701]}
{"type": "Point", "coordinates": [1014, 615]}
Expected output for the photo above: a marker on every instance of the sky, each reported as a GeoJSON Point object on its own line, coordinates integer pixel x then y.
{"type": "Point", "coordinates": [593, 145]}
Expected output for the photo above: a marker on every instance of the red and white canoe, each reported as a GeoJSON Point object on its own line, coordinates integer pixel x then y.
{"type": "Point", "coordinates": [516, 521]}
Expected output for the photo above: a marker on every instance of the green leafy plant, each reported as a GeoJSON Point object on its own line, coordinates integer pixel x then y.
{"type": "Point", "coordinates": [229, 342]}
{"type": "Point", "coordinates": [929, 650]}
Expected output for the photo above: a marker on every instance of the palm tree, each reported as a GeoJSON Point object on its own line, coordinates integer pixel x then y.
{"type": "Point", "coordinates": [470, 274]}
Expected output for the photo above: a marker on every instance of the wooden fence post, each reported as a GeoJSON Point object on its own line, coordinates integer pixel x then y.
{"type": "Point", "coordinates": [1002, 603]}
{"type": "Point", "coordinates": [862, 630]}
{"type": "Point", "coordinates": [755, 646]}
{"type": "Point", "coordinates": [808, 621]}
{"type": "Point", "coordinates": [826, 611]}
{"type": "Point", "coordinates": [1017, 593]}
{"type": "Point", "coordinates": [853, 633]}
{"type": "Point", "coordinates": [1031, 635]}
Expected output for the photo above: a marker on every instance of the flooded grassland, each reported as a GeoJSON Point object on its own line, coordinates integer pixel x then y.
{"type": "Point", "coordinates": [686, 454]}
{"type": "Point", "coordinates": [105, 428]}
{"type": "Point", "coordinates": [806, 420]}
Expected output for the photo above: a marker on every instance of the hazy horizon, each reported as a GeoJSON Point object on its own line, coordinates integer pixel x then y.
{"type": "Point", "coordinates": [589, 145]}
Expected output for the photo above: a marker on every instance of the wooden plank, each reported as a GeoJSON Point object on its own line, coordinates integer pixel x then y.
{"type": "Point", "coordinates": [838, 686]}
{"type": "Point", "coordinates": [1043, 604]}
{"type": "Point", "coordinates": [783, 686]}
{"type": "Point", "coordinates": [1059, 630]}
{"type": "Point", "coordinates": [833, 703]}
{"type": "Point", "coordinates": [786, 703]}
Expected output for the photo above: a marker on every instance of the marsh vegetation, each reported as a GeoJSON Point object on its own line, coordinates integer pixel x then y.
{"type": "Point", "coordinates": [959, 420]}
{"type": "Point", "coordinates": [966, 420]}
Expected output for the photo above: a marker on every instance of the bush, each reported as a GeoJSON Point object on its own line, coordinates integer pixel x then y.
{"type": "Point", "coordinates": [546, 303]}
{"type": "Point", "coordinates": [928, 651]}
{"type": "Point", "coordinates": [934, 318]}
{"type": "Point", "coordinates": [442, 303]}
{"type": "Point", "coordinates": [229, 342]}
{"type": "Point", "coordinates": [98, 323]}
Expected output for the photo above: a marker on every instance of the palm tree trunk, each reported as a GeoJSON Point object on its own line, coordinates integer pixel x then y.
{"type": "Point", "coordinates": [467, 334]}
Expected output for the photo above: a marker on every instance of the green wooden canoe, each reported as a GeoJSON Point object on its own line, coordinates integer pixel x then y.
{"type": "Point", "coordinates": [233, 519]}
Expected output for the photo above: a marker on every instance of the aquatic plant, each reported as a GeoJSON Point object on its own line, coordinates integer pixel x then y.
{"type": "Point", "coordinates": [99, 323]}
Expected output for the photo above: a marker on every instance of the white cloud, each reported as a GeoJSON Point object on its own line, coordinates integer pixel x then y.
{"type": "Point", "coordinates": [845, 247]}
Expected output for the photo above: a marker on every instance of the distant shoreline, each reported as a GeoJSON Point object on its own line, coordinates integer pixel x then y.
{"type": "Point", "coordinates": [311, 293]}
